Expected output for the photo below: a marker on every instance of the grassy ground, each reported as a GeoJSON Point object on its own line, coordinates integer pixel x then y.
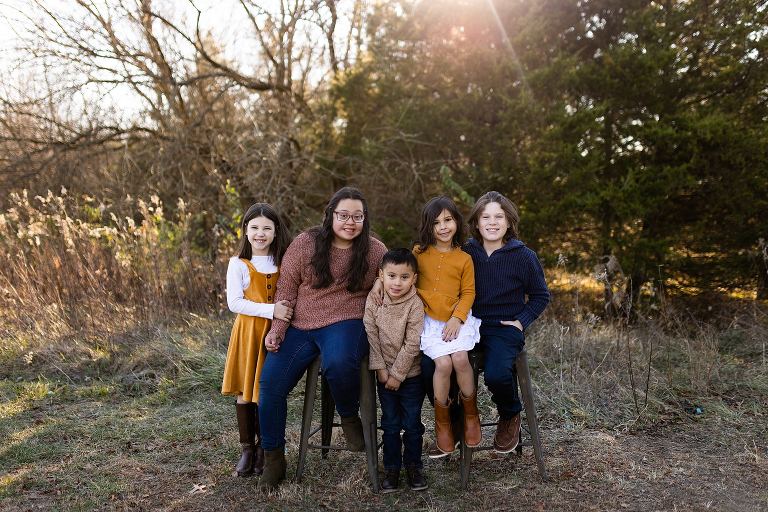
{"type": "Point", "coordinates": [134, 421]}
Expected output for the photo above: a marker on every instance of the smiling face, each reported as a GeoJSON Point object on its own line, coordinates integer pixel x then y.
{"type": "Point", "coordinates": [398, 279]}
{"type": "Point", "coordinates": [347, 230]}
{"type": "Point", "coordinates": [492, 223]}
{"type": "Point", "coordinates": [444, 229]}
{"type": "Point", "coordinates": [260, 232]}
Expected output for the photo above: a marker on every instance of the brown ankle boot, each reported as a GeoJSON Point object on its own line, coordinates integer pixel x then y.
{"type": "Point", "coordinates": [472, 433]}
{"type": "Point", "coordinates": [507, 435]}
{"type": "Point", "coordinates": [274, 469]}
{"type": "Point", "coordinates": [443, 431]}
{"type": "Point", "coordinates": [246, 424]}
{"type": "Point", "coordinates": [353, 432]}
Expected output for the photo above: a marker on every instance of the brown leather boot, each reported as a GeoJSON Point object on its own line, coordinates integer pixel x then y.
{"type": "Point", "coordinates": [443, 431]}
{"type": "Point", "coordinates": [246, 424]}
{"type": "Point", "coordinates": [258, 451]}
{"type": "Point", "coordinates": [433, 452]}
{"type": "Point", "coordinates": [416, 479]}
{"type": "Point", "coordinates": [274, 469]}
{"type": "Point", "coordinates": [472, 433]}
{"type": "Point", "coordinates": [507, 435]}
{"type": "Point", "coordinates": [353, 432]}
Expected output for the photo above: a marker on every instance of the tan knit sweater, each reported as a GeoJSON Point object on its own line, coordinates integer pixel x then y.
{"type": "Point", "coordinates": [315, 308]}
{"type": "Point", "coordinates": [394, 333]}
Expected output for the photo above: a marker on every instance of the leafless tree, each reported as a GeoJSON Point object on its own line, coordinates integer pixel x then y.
{"type": "Point", "coordinates": [148, 100]}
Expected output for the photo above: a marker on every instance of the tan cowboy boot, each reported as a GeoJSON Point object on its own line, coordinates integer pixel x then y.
{"type": "Point", "coordinates": [472, 433]}
{"type": "Point", "coordinates": [443, 432]}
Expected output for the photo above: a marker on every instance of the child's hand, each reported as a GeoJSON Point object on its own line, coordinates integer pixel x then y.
{"type": "Point", "coordinates": [271, 342]}
{"type": "Point", "coordinates": [515, 323]}
{"type": "Point", "coordinates": [451, 329]}
{"type": "Point", "coordinates": [392, 384]}
{"type": "Point", "coordinates": [283, 311]}
{"type": "Point", "coordinates": [378, 292]}
{"type": "Point", "coordinates": [382, 375]}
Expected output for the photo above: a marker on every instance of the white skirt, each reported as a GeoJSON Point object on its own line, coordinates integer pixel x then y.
{"type": "Point", "coordinates": [432, 343]}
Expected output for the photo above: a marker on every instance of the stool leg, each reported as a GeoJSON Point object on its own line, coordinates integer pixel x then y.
{"type": "Point", "coordinates": [327, 406]}
{"type": "Point", "coordinates": [524, 376]}
{"type": "Point", "coordinates": [368, 419]}
{"type": "Point", "coordinates": [306, 415]}
{"type": "Point", "coordinates": [466, 452]}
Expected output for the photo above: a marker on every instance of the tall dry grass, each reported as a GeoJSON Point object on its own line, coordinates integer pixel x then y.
{"type": "Point", "coordinates": [85, 292]}
{"type": "Point", "coordinates": [79, 281]}
{"type": "Point", "coordinates": [678, 358]}
{"type": "Point", "coordinates": [72, 262]}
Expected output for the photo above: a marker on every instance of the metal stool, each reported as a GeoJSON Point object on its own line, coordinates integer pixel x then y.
{"type": "Point", "coordinates": [367, 416]}
{"type": "Point", "coordinates": [524, 376]}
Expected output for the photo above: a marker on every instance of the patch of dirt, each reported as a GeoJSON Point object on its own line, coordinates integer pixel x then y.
{"type": "Point", "coordinates": [696, 468]}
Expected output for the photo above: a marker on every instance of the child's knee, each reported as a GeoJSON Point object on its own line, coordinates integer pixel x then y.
{"type": "Point", "coordinates": [460, 361]}
{"type": "Point", "coordinates": [443, 365]}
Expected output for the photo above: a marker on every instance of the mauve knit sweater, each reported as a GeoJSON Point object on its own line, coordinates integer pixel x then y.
{"type": "Point", "coordinates": [319, 307]}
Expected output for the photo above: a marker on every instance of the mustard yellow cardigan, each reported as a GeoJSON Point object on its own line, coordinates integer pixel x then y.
{"type": "Point", "coordinates": [446, 283]}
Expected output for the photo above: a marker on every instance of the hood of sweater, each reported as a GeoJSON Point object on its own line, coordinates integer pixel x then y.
{"type": "Point", "coordinates": [511, 245]}
{"type": "Point", "coordinates": [389, 301]}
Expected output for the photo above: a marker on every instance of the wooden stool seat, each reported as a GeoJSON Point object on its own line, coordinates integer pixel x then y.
{"type": "Point", "coordinates": [327, 406]}
{"type": "Point", "coordinates": [524, 376]}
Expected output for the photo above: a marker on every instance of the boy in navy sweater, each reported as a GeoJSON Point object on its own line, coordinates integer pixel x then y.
{"type": "Point", "coordinates": [505, 272]}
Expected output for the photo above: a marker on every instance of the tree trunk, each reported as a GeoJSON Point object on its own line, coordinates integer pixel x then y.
{"type": "Point", "coordinates": [762, 270]}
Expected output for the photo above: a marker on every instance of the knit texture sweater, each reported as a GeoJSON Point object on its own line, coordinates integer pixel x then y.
{"type": "Point", "coordinates": [394, 334]}
{"type": "Point", "coordinates": [446, 283]}
{"type": "Point", "coordinates": [502, 281]}
{"type": "Point", "coordinates": [314, 308]}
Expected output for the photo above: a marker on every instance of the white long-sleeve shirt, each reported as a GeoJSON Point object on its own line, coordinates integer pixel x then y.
{"type": "Point", "coordinates": [238, 279]}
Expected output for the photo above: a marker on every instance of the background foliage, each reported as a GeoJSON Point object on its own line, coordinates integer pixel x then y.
{"type": "Point", "coordinates": [635, 128]}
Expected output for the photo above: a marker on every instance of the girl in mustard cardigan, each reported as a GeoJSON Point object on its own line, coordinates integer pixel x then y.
{"type": "Point", "coordinates": [446, 285]}
{"type": "Point", "coordinates": [251, 280]}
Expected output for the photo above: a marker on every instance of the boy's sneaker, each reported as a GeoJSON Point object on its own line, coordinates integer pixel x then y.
{"type": "Point", "coordinates": [507, 435]}
{"type": "Point", "coordinates": [416, 479]}
{"type": "Point", "coordinates": [391, 481]}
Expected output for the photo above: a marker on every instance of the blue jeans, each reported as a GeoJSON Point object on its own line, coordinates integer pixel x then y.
{"type": "Point", "coordinates": [342, 346]}
{"type": "Point", "coordinates": [500, 345]}
{"type": "Point", "coordinates": [401, 410]}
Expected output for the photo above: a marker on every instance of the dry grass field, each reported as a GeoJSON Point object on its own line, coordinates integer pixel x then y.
{"type": "Point", "coordinates": [134, 421]}
{"type": "Point", "coordinates": [112, 346]}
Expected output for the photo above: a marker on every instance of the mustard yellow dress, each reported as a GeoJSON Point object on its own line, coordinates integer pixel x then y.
{"type": "Point", "coordinates": [246, 352]}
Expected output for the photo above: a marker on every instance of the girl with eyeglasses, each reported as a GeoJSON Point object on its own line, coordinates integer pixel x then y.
{"type": "Point", "coordinates": [326, 275]}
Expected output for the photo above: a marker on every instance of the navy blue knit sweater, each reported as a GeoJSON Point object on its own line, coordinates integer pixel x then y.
{"type": "Point", "coordinates": [503, 279]}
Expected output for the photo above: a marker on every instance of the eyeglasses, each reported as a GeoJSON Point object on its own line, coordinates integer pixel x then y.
{"type": "Point", "coordinates": [345, 216]}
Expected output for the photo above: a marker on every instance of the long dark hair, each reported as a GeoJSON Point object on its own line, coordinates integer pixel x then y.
{"type": "Point", "coordinates": [510, 211]}
{"type": "Point", "coordinates": [282, 237]}
{"type": "Point", "coordinates": [361, 245]}
{"type": "Point", "coordinates": [429, 214]}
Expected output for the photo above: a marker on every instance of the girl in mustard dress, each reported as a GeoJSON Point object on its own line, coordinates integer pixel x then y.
{"type": "Point", "coordinates": [251, 280]}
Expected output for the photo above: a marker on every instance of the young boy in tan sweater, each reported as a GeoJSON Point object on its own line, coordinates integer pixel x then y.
{"type": "Point", "coordinates": [394, 333]}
